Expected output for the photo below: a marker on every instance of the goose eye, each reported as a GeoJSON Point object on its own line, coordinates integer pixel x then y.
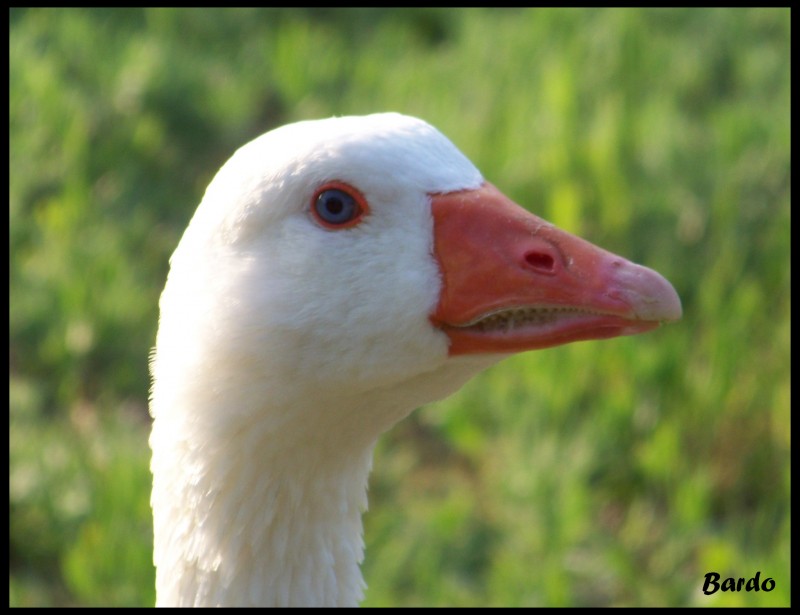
{"type": "Point", "coordinates": [337, 205]}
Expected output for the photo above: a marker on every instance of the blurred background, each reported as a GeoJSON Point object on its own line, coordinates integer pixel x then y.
{"type": "Point", "coordinates": [614, 473]}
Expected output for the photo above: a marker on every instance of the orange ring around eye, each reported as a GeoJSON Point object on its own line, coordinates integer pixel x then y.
{"type": "Point", "coordinates": [361, 204]}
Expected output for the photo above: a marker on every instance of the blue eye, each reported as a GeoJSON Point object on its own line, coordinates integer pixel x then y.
{"type": "Point", "coordinates": [337, 205]}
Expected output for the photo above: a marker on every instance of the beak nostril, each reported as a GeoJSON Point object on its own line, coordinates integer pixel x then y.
{"type": "Point", "coordinates": [541, 262]}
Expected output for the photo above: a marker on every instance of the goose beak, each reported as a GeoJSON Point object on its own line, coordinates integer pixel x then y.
{"type": "Point", "coordinates": [512, 281]}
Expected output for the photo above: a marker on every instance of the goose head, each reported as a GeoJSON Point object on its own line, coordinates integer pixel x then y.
{"type": "Point", "coordinates": [336, 275]}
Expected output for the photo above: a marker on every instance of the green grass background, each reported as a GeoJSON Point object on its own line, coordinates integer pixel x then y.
{"type": "Point", "coordinates": [601, 473]}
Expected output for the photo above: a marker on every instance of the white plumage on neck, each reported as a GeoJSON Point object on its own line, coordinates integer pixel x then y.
{"type": "Point", "coordinates": [270, 513]}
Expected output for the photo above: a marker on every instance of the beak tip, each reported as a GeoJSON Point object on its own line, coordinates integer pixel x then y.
{"type": "Point", "coordinates": [651, 296]}
{"type": "Point", "coordinates": [673, 308]}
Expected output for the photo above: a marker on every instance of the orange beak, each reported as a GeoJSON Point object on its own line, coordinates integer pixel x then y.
{"type": "Point", "coordinates": [512, 281]}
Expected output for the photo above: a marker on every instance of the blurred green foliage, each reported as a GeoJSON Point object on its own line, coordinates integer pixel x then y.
{"type": "Point", "coordinates": [603, 473]}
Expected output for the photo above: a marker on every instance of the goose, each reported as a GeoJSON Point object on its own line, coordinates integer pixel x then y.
{"type": "Point", "coordinates": [338, 274]}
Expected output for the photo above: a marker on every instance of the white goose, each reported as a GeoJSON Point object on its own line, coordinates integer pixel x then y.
{"type": "Point", "coordinates": [338, 274]}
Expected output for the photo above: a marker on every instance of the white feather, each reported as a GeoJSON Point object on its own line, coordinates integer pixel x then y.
{"type": "Point", "coordinates": [284, 350]}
